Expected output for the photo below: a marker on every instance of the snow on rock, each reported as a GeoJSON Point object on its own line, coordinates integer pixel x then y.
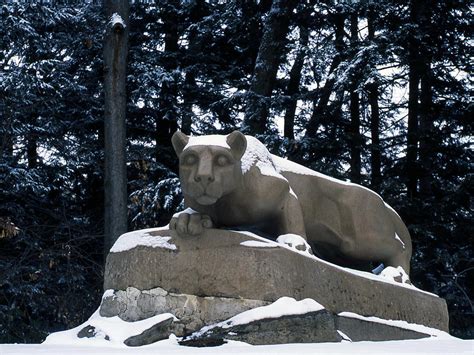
{"type": "Point", "coordinates": [212, 139]}
{"type": "Point", "coordinates": [107, 330]}
{"type": "Point", "coordinates": [400, 240]}
{"type": "Point", "coordinates": [256, 153]}
{"type": "Point", "coordinates": [142, 237]}
{"type": "Point", "coordinates": [116, 19]}
{"type": "Point", "coordinates": [295, 242]}
{"type": "Point", "coordinates": [284, 306]}
{"type": "Point", "coordinates": [108, 293]}
{"type": "Point", "coordinates": [396, 274]}
{"type": "Point", "coordinates": [188, 210]}
{"type": "Point", "coordinates": [283, 165]}
{"type": "Point", "coordinates": [364, 274]}
{"type": "Point", "coordinates": [344, 336]}
{"type": "Point", "coordinates": [400, 324]}
{"type": "Point", "coordinates": [257, 244]}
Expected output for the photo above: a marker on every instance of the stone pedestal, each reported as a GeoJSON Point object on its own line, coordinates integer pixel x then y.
{"type": "Point", "coordinates": [235, 271]}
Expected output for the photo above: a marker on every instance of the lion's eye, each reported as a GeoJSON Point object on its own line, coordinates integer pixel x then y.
{"type": "Point", "coordinates": [222, 160]}
{"type": "Point", "coordinates": [190, 160]}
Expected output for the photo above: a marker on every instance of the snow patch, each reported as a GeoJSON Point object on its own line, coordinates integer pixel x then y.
{"type": "Point", "coordinates": [142, 237]}
{"type": "Point", "coordinates": [367, 275]}
{"type": "Point", "coordinates": [115, 328]}
{"type": "Point", "coordinates": [395, 274]}
{"type": "Point", "coordinates": [344, 336]}
{"type": "Point", "coordinates": [399, 239]}
{"type": "Point", "coordinates": [258, 155]}
{"type": "Point", "coordinates": [188, 210]}
{"type": "Point", "coordinates": [283, 165]}
{"type": "Point", "coordinates": [257, 244]}
{"type": "Point", "coordinates": [400, 324]}
{"type": "Point", "coordinates": [433, 346]}
{"type": "Point", "coordinates": [391, 208]}
{"type": "Point", "coordinates": [284, 306]}
{"type": "Point", "coordinates": [294, 241]}
{"type": "Point", "coordinates": [293, 193]}
{"type": "Point", "coordinates": [116, 19]}
{"type": "Point", "coordinates": [212, 139]}
{"type": "Point", "coordinates": [108, 293]}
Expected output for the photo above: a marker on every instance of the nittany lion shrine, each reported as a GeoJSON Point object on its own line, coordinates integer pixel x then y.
{"type": "Point", "coordinates": [266, 251]}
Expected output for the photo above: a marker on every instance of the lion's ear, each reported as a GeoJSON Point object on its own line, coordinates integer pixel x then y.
{"type": "Point", "coordinates": [238, 143]}
{"type": "Point", "coordinates": [179, 141]}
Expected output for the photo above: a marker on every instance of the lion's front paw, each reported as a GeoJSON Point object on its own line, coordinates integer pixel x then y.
{"type": "Point", "coordinates": [190, 222]}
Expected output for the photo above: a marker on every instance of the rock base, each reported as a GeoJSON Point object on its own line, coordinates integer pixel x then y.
{"type": "Point", "coordinates": [194, 312]}
{"type": "Point", "coordinates": [207, 279]}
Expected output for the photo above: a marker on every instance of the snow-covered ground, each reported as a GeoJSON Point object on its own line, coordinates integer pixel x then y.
{"type": "Point", "coordinates": [110, 333]}
{"type": "Point", "coordinates": [67, 342]}
{"type": "Point", "coordinates": [406, 347]}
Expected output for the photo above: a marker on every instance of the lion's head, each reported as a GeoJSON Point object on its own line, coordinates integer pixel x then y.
{"type": "Point", "coordinates": [209, 166]}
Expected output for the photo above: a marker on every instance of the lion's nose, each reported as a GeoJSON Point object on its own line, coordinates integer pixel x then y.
{"type": "Point", "coordinates": [207, 178]}
{"type": "Point", "coordinates": [204, 173]}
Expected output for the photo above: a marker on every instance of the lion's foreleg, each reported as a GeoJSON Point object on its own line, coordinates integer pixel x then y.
{"type": "Point", "coordinates": [291, 217]}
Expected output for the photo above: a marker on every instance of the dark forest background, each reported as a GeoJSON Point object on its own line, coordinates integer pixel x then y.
{"type": "Point", "coordinates": [372, 91]}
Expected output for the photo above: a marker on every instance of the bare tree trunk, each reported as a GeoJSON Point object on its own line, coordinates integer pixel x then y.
{"type": "Point", "coordinates": [375, 149]}
{"type": "Point", "coordinates": [6, 146]}
{"type": "Point", "coordinates": [320, 111]}
{"type": "Point", "coordinates": [294, 84]}
{"type": "Point", "coordinates": [115, 62]}
{"type": "Point", "coordinates": [425, 133]}
{"type": "Point", "coordinates": [268, 60]}
{"type": "Point", "coordinates": [166, 123]}
{"type": "Point", "coordinates": [413, 97]}
{"type": "Point", "coordinates": [189, 84]}
{"type": "Point", "coordinates": [355, 140]}
{"type": "Point", "coordinates": [426, 127]}
{"type": "Point", "coordinates": [373, 96]}
{"type": "Point", "coordinates": [31, 151]}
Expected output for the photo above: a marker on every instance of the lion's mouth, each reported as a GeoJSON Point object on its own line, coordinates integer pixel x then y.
{"type": "Point", "coordinates": [206, 200]}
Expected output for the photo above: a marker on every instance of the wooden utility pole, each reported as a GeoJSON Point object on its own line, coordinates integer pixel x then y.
{"type": "Point", "coordinates": [115, 62]}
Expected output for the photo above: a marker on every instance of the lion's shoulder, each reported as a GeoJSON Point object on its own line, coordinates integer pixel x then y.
{"type": "Point", "coordinates": [257, 155]}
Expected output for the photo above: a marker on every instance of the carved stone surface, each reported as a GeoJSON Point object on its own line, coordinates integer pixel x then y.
{"type": "Point", "coordinates": [234, 182]}
{"type": "Point", "coordinates": [215, 264]}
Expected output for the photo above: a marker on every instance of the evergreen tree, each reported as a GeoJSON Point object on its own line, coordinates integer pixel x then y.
{"type": "Point", "coordinates": [337, 89]}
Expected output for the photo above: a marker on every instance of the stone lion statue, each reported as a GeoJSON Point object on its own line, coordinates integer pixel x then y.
{"type": "Point", "coordinates": [233, 181]}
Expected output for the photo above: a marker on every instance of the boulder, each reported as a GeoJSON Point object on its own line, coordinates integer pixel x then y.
{"type": "Point", "coordinates": [153, 334]}
{"type": "Point", "coordinates": [312, 327]}
{"type": "Point", "coordinates": [364, 330]}
{"type": "Point", "coordinates": [220, 268]}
